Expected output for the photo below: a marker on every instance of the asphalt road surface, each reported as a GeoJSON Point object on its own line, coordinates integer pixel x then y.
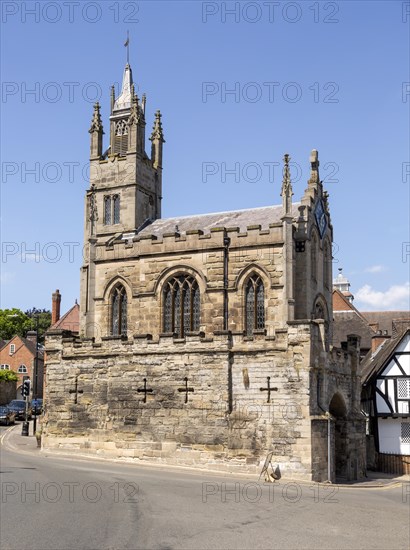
{"type": "Point", "coordinates": [69, 503]}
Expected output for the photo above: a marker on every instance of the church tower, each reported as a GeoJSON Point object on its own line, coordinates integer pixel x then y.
{"type": "Point", "coordinates": [125, 183]}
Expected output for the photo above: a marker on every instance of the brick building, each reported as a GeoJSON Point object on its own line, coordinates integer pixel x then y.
{"type": "Point", "coordinates": [204, 340]}
{"type": "Point", "coordinates": [18, 355]}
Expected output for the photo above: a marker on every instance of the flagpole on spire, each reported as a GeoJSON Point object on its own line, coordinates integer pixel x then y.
{"type": "Point", "coordinates": [127, 45]}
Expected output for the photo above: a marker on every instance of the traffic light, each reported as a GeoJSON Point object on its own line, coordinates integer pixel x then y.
{"type": "Point", "coordinates": [26, 388]}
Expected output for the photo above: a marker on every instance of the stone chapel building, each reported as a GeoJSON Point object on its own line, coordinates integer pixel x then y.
{"type": "Point", "coordinates": [204, 340]}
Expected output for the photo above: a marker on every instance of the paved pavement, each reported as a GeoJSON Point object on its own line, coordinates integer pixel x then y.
{"type": "Point", "coordinates": [13, 440]}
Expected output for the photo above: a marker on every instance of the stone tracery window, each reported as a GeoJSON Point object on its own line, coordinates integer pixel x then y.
{"type": "Point", "coordinates": [181, 299]}
{"type": "Point", "coordinates": [119, 311]}
{"type": "Point", "coordinates": [121, 128]}
{"type": "Point", "coordinates": [254, 305]}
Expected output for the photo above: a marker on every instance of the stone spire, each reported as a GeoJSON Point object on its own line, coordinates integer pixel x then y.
{"type": "Point", "coordinates": [123, 101]}
{"type": "Point", "coordinates": [286, 192]}
{"type": "Point", "coordinates": [157, 139]}
{"type": "Point", "coordinates": [96, 131]}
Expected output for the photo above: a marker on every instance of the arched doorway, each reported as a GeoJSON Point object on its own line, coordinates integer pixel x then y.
{"type": "Point", "coordinates": [337, 408]}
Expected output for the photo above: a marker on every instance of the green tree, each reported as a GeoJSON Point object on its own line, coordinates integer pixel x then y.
{"type": "Point", "coordinates": [13, 321]}
{"type": "Point", "coordinates": [8, 376]}
{"type": "Point", "coordinates": [44, 321]}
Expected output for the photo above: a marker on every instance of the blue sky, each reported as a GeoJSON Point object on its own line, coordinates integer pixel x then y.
{"type": "Point", "coordinates": [305, 75]}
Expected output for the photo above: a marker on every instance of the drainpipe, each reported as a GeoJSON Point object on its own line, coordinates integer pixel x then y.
{"type": "Point", "coordinates": [227, 242]}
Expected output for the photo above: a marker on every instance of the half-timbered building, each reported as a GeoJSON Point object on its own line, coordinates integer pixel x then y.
{"type": "Point", "coordinates": [386, 392]}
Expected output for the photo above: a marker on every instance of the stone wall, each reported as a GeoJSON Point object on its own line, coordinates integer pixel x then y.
{"type": "Point", "coordinates": [96, 401]}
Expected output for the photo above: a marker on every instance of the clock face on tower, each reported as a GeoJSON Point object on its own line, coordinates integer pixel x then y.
{"type": "Point", "coordinates": [320, 218]}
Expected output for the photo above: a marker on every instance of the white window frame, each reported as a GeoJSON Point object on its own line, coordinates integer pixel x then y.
{"type": "Point", "coordinates": [12, 349]}
{"type": "Point", "coordinates": [5, 367]}
{"type": "Point", "coordinates": [20, 371]}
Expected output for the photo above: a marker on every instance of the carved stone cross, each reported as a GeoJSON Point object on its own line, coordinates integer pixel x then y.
{"type": "Point", "coordinates": [186, 389]}
{"type": "Point", "coordinates": [75, 390]}
{"type": "Point", "coordinates": [145, 390]}
{"type": "Point", "coordinates": [268, 389]}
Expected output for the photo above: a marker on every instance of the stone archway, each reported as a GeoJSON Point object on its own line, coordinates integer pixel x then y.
{"type": "Point", "coordinates": [337, 408]}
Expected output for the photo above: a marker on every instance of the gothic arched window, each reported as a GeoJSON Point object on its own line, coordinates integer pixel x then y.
{"type": "Point", "coordinates": [254, 304]}
{"type": "Point", "coordinates": [119, 311]}
{"type": "Point", "coordinates": [181, 305]}
{"type": "Point", "coordinates": [121, 128]}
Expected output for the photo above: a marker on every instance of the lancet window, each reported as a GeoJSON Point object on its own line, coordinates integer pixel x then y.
{"type": "Point", "coordinates": [254, 304]}
{"type": "Point", "coordinates": [181, 299]}
{"type": "Point", "coordinates": [119, 311]}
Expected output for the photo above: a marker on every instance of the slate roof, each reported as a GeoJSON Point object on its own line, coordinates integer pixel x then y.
{"type": "Point", "coordinates": [374, 362]}
{"type": "Point", "coordinates": [205, 222]}
{"type": "Point", "coordinates": [69, 321]}
{"type": "Point", "coordinates": [349, 320]}
{"type": "Point", "coordinates": [385, 319]}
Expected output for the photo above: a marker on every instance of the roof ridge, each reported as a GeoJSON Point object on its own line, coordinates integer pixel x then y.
{"type": "Point", "coordinates": [224, 212]}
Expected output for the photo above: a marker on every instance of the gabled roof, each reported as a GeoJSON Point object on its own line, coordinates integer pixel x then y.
{"type": "Point", "coordinates": [205, 222]}
{"type": "Point", "coordinates": [31, 346]}
{"type": "Point", "coordinates": [348, 320]}
{"type": "Point", "coordinates": [69, 321]}
{"type": "Point", "coordinates": [374, 362]}
{"type": "Point", "coordinates": [341, 303]}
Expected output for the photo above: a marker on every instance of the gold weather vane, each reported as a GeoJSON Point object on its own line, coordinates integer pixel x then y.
{"type": "Point", "coordinates": [127, 45]}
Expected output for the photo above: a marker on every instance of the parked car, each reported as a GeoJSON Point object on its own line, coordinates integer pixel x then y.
{"type": "Point", "coordinates": [7, 416]}
{"type": "Point", "coordinates": [37, 406]}
{"type": "Point", "coordinates": [18, 406]}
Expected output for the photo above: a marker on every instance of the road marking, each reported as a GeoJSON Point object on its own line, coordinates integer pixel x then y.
{"type": "Point", "coordinates": [5, 433]}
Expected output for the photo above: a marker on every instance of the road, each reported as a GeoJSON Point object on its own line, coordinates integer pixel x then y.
{"type": "Point", "coordinates": [69, 503]}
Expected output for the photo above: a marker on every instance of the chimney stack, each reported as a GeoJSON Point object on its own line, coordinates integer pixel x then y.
{"type": "Point", "coordinates": [32, 336]}
{"type": "Point", "coordinates": [55, 310]}
{"type": "Point", "coordinates": [378, 339]}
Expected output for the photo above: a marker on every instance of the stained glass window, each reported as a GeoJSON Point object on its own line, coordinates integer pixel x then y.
{"type": "Point", "coordinates": [181, 305]}
{"type": "Point", "coordinates": [254, 305]}
{"type": "Point", "coordinates": [119, 311]}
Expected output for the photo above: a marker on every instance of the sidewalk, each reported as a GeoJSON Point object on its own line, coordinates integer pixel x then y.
{"type": "Point", "coordinates": [14, 441]}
